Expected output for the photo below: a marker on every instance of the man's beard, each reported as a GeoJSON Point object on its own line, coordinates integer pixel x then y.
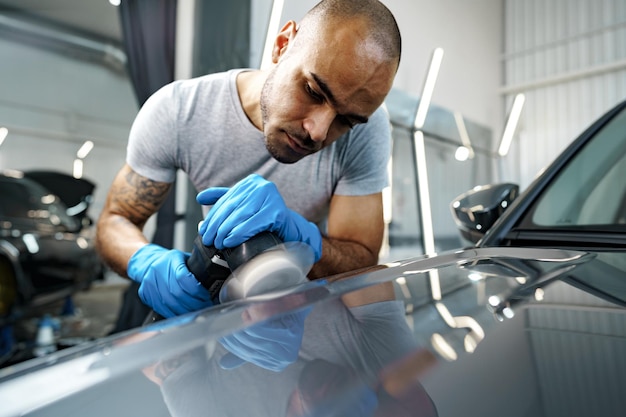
{"type": "Point", "coordinates": [275, 150]}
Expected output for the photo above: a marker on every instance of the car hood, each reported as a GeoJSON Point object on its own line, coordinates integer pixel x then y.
{"type": "Point", "coordinates": [76, 193]}
{"type": "Point", "coordinates": [513, 331]}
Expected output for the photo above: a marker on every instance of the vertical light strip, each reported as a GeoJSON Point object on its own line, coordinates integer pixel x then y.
{"type": "Point", "coordinates": [272, 30]}
{"type": "Point", "coordinates": [185, 34]}
{"type": "Point", "coordinates": [511, 124]}
{"type": "Point", "coordinates": [428, 237]}
{"type": "Point", "coordinates": [77, 172]}
{"type": "Point", "coordinates": [429, 87]}
{"type": "Point", "coordinates": [435, 285]}
{"type": "Point", "coordinates": [4, 132]}
{"type": "Point", "coordinates": [465, 139]}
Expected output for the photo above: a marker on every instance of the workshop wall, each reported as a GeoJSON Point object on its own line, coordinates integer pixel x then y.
{"type": "Point", "coordinates": [569, 59]}
{"type": "Point", "coordinates": [51, 104]}
{"type": "Point", "coordinates": [471, 35]}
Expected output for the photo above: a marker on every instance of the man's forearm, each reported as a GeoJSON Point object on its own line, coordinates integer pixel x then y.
{"type": "Point", "coordinates": [117, 240]}
{"type": "Point", "coordinates": [342, 256]}
{"type": "Point", "coordinates": [131, 200]}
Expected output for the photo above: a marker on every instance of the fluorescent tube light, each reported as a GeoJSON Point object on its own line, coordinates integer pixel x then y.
{"type": "Point", "coordinates": [84, 150]}
{"type": "Point", "coordinates": [511, 124]}
{"type": "Point", "coordinates": [429, 87]}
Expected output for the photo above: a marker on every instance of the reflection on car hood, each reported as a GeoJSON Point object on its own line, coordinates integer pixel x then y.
{"type": "Point", "coordinates": [510, 331]}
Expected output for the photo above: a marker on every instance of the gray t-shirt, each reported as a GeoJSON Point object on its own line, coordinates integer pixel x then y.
{"type": "Point", "coordinates": [199, 126]}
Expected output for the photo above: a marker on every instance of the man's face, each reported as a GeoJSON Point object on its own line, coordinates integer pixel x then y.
{"type": "Point", "coordinates": [321, 87]}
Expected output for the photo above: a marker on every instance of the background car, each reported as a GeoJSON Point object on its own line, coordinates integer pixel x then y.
{"type": "Point", "coordinates": [530, 321]}
{"type": "Point", "coordinates": [47, 248]}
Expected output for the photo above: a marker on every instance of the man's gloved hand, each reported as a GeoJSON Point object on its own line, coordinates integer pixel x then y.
{"type": "Point", "coordinates": [251, 206]}
{"type": "Point", "coordinates": [271, 345]}
{"type": "Point", "coordinates": [165, 283]}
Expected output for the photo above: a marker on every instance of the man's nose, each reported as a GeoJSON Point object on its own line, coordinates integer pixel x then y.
{"type": "Point", "coordinates": [317, 123]}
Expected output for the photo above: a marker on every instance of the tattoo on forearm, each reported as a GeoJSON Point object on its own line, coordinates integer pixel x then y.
{"type": "Point", "coordinates": [140, 197]}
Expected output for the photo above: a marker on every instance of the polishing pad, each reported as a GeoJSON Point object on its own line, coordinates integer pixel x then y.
{"type": "Point", "coordinates": [280, 269]}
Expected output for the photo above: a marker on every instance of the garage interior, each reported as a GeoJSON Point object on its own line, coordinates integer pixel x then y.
{"type": "Point", "coordinates": [514, 83]}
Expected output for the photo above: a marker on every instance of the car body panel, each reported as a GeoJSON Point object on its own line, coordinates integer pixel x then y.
{"type": "Point", "coordinates": [464, 315]}
{"type": "Point", "coordinates": [531, 321]}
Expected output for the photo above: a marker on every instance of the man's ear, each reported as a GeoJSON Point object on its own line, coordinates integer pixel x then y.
{"type": "Point", "coordinates": [284, 37]}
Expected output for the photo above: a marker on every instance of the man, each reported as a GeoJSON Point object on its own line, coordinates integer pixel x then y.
{"type": "Point", "coordinates": [310, 130]}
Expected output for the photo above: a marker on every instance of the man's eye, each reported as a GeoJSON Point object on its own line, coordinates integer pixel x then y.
{"type": "Point", "coordinates": [313, 93]}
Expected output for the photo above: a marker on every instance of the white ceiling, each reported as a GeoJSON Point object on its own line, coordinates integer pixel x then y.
{"type": "Point", "coordinates": [97, 17]}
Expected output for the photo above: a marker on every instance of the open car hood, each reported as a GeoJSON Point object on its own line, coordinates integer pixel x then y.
{"type": "Point", "coordinates": [76, 193]}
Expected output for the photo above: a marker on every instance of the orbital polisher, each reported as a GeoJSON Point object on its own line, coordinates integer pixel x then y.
{"type": "Point", "coordinates": [261, 265]}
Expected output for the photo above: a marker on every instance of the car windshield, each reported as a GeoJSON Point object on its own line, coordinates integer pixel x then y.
{"type": "Point", "coordinates": [589, 193]}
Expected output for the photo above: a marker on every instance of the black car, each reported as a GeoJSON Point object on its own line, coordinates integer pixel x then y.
{"type": "Point", "coordinates": [530, 321]}
{"type": "Point", "coordinates": [579, 201]}
{"type": "Point", "coordinates": [47, 248]}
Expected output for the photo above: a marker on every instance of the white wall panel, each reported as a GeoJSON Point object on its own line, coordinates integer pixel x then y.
{"type": "Point", "coordinates": [569, 58]}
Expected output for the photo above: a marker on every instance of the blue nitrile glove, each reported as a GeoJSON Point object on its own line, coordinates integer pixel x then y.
{"type": "Point", "coordinates": [165, 283]}
{"type": "Point", "coordinates": [251, 206]}
{"type": "Point", "coordinates": [271, 345]}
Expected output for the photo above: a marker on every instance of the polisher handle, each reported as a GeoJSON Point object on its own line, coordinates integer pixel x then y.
{"type": "Point", "coordinates": [212, 267]}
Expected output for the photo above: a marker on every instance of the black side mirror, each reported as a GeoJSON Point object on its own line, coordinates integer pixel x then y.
{"type": "Point", "coordinates": [478, 209]}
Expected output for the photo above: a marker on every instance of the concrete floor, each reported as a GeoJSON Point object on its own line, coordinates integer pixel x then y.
{"type": "Point", "coordinates": [94, 314]}
{"type": "Point", "coordinates": [95, 311]}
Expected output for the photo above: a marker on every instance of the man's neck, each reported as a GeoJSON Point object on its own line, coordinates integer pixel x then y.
{"type": "Point", "coordinates": [249, 86]}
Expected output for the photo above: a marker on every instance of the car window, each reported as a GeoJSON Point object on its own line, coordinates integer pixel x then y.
{"type": "Point", "coordinates": [590, 189]}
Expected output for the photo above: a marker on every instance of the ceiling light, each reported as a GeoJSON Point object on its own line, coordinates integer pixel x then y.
{"type": "Point", "coordinates": [84, 150]}
{"type": "Point", "coordinates": [462, 154]}
{"type": "Point", "coordinates": [539, 294]}
{"type": "Point", "coordinates": [115, 2]}
{"type": "Point", "coordinates": [494, 300]}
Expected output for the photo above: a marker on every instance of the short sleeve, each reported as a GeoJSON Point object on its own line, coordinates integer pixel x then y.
{"type": "Point", "coordinates": [364, 157]}
{"type": "Point", "coordinates": [152, 143]}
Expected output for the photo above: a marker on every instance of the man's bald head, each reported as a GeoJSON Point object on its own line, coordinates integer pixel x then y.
{"type": "Point", "coordinates": [331, 73]}
{"type": "Point", "coordinates": [381, 24]}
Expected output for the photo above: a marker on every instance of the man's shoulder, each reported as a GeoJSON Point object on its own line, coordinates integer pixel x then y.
{"type": "Point", "coordinates": [215, 79]}
{"type": "Point", "coordinates": [187, 95]}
